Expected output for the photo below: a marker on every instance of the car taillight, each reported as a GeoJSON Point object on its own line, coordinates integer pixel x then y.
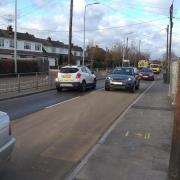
{"type": "Point", "coordinates": [10, 130]}
{"type": "Point", "coordinates": [78, 75]}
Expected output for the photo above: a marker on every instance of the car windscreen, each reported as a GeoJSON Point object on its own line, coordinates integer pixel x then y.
{"type": "Point", "coordinates": [154, 66]}
{"type": "Point", "coordinates": [68, 70]}
{"type": "Point", "coordinates": [123, 71]}
{"type": "Point", "coordinates": [146, 70]}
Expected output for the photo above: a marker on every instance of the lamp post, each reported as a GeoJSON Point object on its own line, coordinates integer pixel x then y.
{"type": "Point", "coordinates": [84, 43]}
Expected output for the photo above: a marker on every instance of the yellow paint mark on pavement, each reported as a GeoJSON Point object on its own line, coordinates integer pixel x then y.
{"type": "Point", "coordinates": [138, 134]}
{"type": "Point", "coordinates": [127, 133]}
{"type": "Point", "coordinates": [147, 136]}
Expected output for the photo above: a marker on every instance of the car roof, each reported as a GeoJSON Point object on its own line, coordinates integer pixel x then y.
{"type": "Point", "coordinates": [73, 66]}
{"type": "Point", "coordinates": [124, 67]}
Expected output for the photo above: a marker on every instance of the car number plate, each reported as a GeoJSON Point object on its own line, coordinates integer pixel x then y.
{"type": "Point", "coordinates": [118, 83]}
{"type": "Point", "coordinates": [66, 85]}
{"type": "Point", "coordinates": [66, 76]}
{"type": "Point", "coordinates": [145, 76]}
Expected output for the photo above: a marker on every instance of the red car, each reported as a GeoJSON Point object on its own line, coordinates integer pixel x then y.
{"type": "Point", "coordinates": [146, 74]}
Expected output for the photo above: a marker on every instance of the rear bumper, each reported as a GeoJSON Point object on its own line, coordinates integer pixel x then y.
{"type": "Point", "coordinates": [68, 84]}
{"type": "Point", "coordinates": [147, 78]}
{"type": "Point", "coordinates": [6, 150]}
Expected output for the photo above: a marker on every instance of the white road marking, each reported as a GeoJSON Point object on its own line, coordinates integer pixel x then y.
{"type": "Point", "coordinates": [104, 137]}
{"type": "Point", "coordinates": [62, 102]}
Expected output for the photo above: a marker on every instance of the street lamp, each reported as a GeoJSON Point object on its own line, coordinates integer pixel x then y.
{"type": "Point", "coordinates": [84, 44]}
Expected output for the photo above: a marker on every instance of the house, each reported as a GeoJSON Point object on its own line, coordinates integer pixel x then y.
{"type": "Point", "coordinates": [29, 46]}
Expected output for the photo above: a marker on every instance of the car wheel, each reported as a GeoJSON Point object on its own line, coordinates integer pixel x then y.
{"type": "Point", "coordinates": [58, 88]}
{"type": "Point", "coordinates": [94, 84]}
{"type": "Point", "coordinates": [137, 87]}
{"type": "Point", "coordinates": [107, 88]}
{"type": "Point", "coordinates": [132, 89]}
{"type": "Point", "coordinates": [83, 86]}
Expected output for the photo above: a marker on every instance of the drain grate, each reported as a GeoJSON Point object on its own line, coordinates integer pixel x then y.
{"type": "Point", "coordinates": [153, 108]}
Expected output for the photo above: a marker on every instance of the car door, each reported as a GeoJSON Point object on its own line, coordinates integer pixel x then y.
{"type": "Point", "coordinates": [91, 76]}
{"type": "Point", "coordinates": [85, 75]}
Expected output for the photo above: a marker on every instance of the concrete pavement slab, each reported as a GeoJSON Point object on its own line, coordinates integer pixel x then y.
{"type": "Point", "coordinates": [139, 146]}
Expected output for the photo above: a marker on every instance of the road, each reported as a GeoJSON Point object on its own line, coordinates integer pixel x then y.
{"type": "Point", "coordinates": [19, 107]}
{"type": "Point", "coordinates": [50, 142]}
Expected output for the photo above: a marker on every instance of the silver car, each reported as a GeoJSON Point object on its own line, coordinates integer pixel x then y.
{"type": "Point", "coordinates": [6, 140]}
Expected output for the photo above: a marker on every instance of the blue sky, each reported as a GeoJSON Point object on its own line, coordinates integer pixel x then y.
{"type": "Point", "coordinates": [107, 23]}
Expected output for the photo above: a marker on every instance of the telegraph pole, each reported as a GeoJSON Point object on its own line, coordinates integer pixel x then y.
{"type": "Point", "coordinates": [15, 39]}
{"type": "Point", "coordinates": [167, 55]}
{"type": "Point", "coordinates": [70, 32]}
{"type": "Point", "coordinates": [127, 48]}
{"type": "Point", "coordinates": [171, 26]}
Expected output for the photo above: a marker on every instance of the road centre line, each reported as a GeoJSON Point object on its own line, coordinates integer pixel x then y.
{"type": "Point", "coordinates": [72, 99]}
{"type": "Point", "coordinates": [104, 137]}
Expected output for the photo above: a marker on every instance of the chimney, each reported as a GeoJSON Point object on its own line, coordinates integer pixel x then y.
{"type": "Point", "coordinates": [49, 39]}
{"type": "Point", "coordinates": [10, 29]}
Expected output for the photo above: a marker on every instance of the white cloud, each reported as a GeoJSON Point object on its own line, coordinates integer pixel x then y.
{"type": "Point", "coordinates": [120, 15]}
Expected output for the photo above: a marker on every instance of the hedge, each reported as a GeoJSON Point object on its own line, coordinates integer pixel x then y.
{"type": "Point", "coordinates": [23, 66]}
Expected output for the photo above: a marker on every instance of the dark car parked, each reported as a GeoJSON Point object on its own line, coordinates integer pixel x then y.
{"type": "Point", "coordinates": [122, 77]}
{"type": "Point", "coordinates": [146, 74]}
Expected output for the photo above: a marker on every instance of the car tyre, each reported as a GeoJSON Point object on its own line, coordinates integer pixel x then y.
{"type": "Point", "coordinates": [83, 86]}
{"type": "Point", "coordinates": [137, 87]}
{"type": "Point", "coordinates": [107, 88]}
{"type": "Point", "coordinates": [132, 89]}
{"type": "Point", "coordinates": [94, 84]}
{"type": "Point", "coordinates": [58, 88]}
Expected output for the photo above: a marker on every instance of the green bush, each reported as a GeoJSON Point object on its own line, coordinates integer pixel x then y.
{"type": "Point", "coordinates": [23, 66]}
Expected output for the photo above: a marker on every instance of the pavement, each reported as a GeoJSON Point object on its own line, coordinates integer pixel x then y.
{"type": "Point", "coordinates": [137, 146]}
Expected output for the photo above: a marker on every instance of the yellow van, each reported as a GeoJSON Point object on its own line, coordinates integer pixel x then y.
{"type": "Point", "coordinates": [155, 68]}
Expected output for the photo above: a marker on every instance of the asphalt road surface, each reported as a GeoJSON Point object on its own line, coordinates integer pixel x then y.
{"type": "Point", "coordinates": [19, 107]}
{"type": "Point", "coordinates": [50, 142]}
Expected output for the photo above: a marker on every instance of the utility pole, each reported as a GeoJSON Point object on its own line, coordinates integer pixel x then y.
{"type": "Point", "coordinates": [139, 48]}
{"type": "Point", "coordinates": [127, 48]}
{"type": "Point", "coordinates": [167, 55]}
{"type": "Point", "coordinates": [70, 32]}
{"type": "Point", "coordinates": [170, 41]}
{"type": "Point", "coordinates": [15, 39]}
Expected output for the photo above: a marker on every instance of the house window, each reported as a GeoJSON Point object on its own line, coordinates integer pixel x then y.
{"type": "Point", "coordinates": [75, 53]}
{"type": "Point", "coordinates": [27, 45]}
{"type": "Point", "coordinates": [37, 47]}
{"type": "Point", "coordinates": [53, 50]}
{"type": "Point", "coordinates": [1, 42]}
{"type": "Point", "coordinates": [11, 44]}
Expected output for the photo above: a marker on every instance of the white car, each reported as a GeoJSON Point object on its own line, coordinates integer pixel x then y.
{"type": "Point", "coordinates": [6, 140]}
{"type": "Point", "coordinates": [78, 77]}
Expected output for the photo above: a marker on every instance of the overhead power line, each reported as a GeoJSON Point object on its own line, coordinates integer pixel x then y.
{"type": "Point", "coordinates": [99, 29]}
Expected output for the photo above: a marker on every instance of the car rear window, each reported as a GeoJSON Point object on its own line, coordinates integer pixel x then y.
{"type": "Point", "coordinates": [69, 70]}
{"type": "Point", "coordinates": [145, 70]}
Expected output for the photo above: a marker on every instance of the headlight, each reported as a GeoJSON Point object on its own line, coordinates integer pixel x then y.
{"type": "Point", "coordinates": [140, 74]}
{"type": "Point", "coordinates": [109, 78]}
{"type": "Point", "coordinates": [129, 79]}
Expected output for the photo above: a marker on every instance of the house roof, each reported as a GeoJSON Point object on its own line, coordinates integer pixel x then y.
{"type": "Point", "coordinates": [8, 51]}
{"type": "Point", "coordinates": [9, 33]}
